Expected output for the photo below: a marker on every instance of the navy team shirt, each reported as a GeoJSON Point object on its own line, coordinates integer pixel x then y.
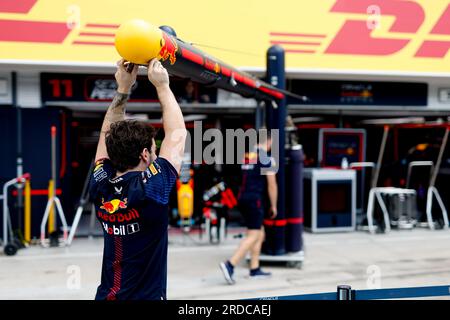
{"type": "Point", "coordinates": [133, 212]}
{"type": "Point", "coordinates": [254, 182]}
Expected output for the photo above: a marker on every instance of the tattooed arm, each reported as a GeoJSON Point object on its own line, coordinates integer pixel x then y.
{"type": "Point", "coordinates": [116, 111]}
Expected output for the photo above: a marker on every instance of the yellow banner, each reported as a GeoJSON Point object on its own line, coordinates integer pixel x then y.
{"type": "Point", "coordinates": [400, 36]}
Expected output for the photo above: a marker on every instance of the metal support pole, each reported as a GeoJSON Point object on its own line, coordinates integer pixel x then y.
{"type": "Point", "coordinates": [276, 116]}
{"type": "Point", "coordinates": [376, 174]}
{"type": "Point", "coordinates": [6, 220]}
{"type": "Point", "coordinates": [294, 200]}
{"type": "Point", "coordinates": [19, 159]}
{"type": "Point", "coordinates": [83, 200]}
{"type": "Point", "coordinates": [344, 292]}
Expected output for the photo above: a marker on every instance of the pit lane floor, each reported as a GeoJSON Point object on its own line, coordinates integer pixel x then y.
{"type": "Point", "coordinates": [402, 258]}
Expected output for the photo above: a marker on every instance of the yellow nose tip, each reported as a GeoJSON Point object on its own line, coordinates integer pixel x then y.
{"type": "Point", "coordinates": [138, 41]}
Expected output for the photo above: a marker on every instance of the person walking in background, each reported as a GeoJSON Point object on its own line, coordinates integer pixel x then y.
{"type": "Point", "coordinates": [258, 177]}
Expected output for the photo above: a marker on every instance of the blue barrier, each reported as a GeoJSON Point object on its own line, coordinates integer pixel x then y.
{"type": "Point", "coordinates": [376, 294]}
{"type": "Point", "coordinates": [402, 293]}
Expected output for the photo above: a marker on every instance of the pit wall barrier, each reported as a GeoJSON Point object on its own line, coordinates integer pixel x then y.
{"type": "Point", "coordinates": [345, 292]}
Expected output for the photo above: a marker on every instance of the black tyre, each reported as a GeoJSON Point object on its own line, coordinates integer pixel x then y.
{"type": "Point", "coordinates": [10, 249]}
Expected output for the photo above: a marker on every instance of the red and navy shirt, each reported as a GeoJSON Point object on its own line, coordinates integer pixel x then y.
{"type": "Point", "coordinates": [255, 166]}
{"type": "Point", "coordinates": [133, 212]}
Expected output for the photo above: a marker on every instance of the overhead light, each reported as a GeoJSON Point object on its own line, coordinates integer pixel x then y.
{"type": "Point", "coordinates": [307, 119]}
{"type": "Point", "coordinates": [438, 121]}
{"type": "Point", "coordinates": [394, 121]}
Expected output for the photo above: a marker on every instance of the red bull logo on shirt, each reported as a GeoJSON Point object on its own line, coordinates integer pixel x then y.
{"type": "Point", "coordinates": [169, 49]}
{"type": "Point", "coordinates": [113, 205]}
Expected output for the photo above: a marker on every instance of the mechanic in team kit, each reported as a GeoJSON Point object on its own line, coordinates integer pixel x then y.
{"type": "Point", "coordinates": [130, 188]}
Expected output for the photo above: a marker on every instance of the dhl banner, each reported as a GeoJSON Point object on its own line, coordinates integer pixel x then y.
{"type": "Point", "coordinates": [400, 36]}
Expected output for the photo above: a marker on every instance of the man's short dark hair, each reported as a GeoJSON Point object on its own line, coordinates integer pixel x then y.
{"type": "Point", "coordinates": [125, 141]}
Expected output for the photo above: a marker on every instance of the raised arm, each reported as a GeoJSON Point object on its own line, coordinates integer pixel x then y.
{"type": "Point", "coordinates": [116, 111]}
{"type": "Point", "coordinates": [172, 146]}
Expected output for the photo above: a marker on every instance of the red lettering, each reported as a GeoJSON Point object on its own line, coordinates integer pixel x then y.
{"type": "Point", "coordinates": [67, 84]}
{"type": "Point", "coordinates": [13, 6]}
{"type": "Point", "coordinates": [57, 85]}
{"type": "Point", "coordinates": [120, 217]}
{"type": "Point", "coordinates": [433, 49]}
{"type": "Point", "coordinates": [56, 90]}
{"type": "Point", "coordinates": [443, 24]}
{"type": "Point", "coordinates": [134, 213]}
{"type": "Point", "coordinates": [356, 38]}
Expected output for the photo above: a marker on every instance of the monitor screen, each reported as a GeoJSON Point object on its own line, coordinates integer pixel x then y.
{"type": "Point", "coordinates": [337, 144]}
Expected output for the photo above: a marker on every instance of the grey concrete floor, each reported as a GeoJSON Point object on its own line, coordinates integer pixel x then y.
{"type": "Point", "coordinates": [405, 258]}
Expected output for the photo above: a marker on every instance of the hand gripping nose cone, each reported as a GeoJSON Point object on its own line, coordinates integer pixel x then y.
{"type": "Point", "coordinates": [138, 41]}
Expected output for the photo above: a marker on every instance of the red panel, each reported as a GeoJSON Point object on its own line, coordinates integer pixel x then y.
{"type": "Point", "coordinates": [355, 38]}
{"type": "Point", "coordinates": [94, 34]}
{"type": "Point", "coordinates": [39, 192]}
{"type": "Point", "coordinates": [238, 77]}
{"type": "Point", "coordinates": [210, 65]}
{"type": "Point", "coordinates": [225, 71]}
{"type": "Point", "coordinates": [249, 82]}
{"type": "Point", "coordinates": [276, 223]}
{"type": "Point", "coordinates": [443, 25]}
{"type": "Point", "coordinates": [271, 92]}
{"type": "Point", "coordinates": [296, 43]}
{"type": "Point", "coordinates": [16, 6]}
{"type": "Point", "coordinates": [295, 220]}
{"type": "Point", "coordinates": [433, 49]}
{"type": "Point", "coordinates": [31, 31]}
{"type": "Point", "coordinates": [191, 56]}
{"type": "Point", "coordinates": [283, 222]}
{"type": "Point", "coordinates": [409, 15]}
{"type": "Point", "coordinates": [94, 43]}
